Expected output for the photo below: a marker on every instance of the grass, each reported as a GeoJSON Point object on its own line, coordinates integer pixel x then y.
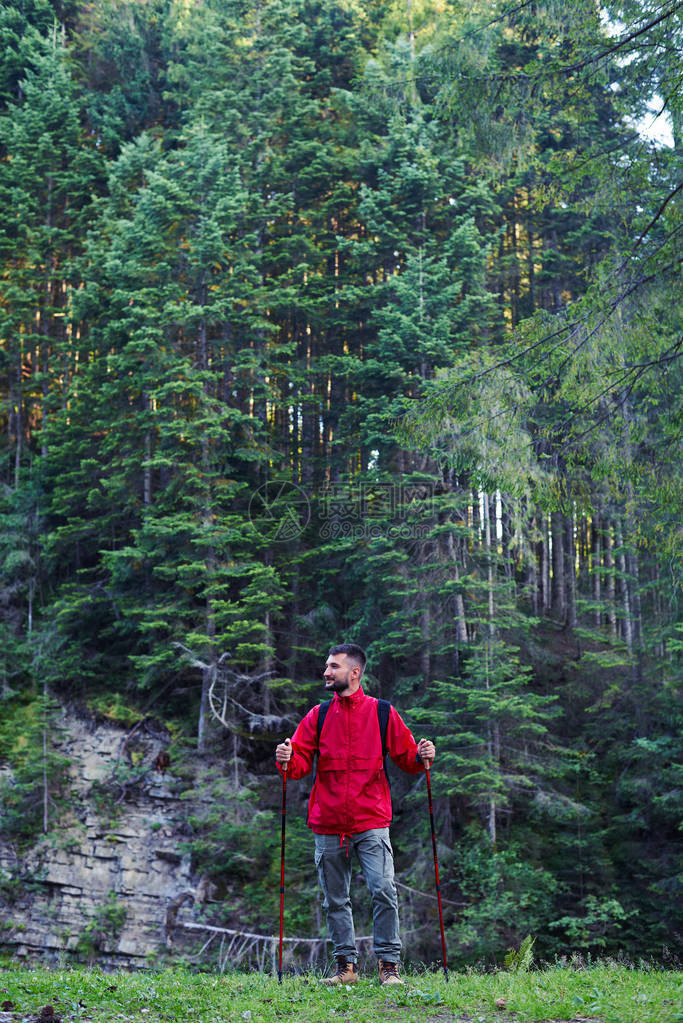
{"type": "Point", "coordinates": [606, 993]}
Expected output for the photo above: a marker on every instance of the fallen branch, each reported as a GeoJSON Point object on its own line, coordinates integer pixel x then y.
{"type": "Point", "coordinates": [426, 895]}
{"type": "Point", "coordinates": [258, 937]}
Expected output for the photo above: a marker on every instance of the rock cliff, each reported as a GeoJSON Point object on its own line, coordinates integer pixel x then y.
{"type": "Point", "coordinates": [101, 882]}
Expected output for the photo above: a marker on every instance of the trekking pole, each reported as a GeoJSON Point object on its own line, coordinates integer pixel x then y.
{"type": "Point", "coordinates": [436, 870]}
{"type": "Point", "coordinates": [282, 866]}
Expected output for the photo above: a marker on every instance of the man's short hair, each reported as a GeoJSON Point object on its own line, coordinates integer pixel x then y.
{"type": "Point", "coordinates": [351, 650]}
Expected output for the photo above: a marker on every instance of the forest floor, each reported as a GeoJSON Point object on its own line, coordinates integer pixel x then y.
{"type": "Point", "coordinates": [601, 994]}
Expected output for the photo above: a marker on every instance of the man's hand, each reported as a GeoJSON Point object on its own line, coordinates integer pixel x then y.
{"type": "Point", "coordinates": [283, 752]}
{"type": "Point", "coordinates": [427, 752]}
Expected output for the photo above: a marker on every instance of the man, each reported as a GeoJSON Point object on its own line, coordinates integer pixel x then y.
{"type": "Point", "coordinates": [350, 806]}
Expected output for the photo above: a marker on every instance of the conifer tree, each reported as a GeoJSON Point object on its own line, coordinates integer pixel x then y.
{"type": "Point", "coordinates": [46, 178]}
{"type": "Point", "coordinates": [172, 441]}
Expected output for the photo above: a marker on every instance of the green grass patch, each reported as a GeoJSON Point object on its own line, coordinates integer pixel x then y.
{"type": "Point", "coordinates": [613, 994]}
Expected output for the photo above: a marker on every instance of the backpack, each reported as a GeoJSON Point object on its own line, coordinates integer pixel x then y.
{"type": "Point", "coordinates": [383, 709]}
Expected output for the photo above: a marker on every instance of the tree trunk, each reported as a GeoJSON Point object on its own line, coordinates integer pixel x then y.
{"type": "Point", "coordinates": [610, 585]}
{"type": "Point", "coordinates": [627, 620]}
{"type": "Point", "coordinates": [18, 423]}
{"type": "Point", "coordinates": [634, 580]}
{"type": "Point", "coordinates": [557, 529]}
{"type": "Point", "coordinates": [425, 630]}
{"type": "Point", "coordinates": [458, 602]}
{"type": "Point", "coordinates": [583, 576]}
{"type": "Point", "coordinates": [596, 567]}
{"type": "Point", "coordinates": [209, 672]}
{"type": "Point", "coordinates": [506, 535]}
{"type": "Point", "coordinates": [46, 791]}
{"type": "Point", "coordinates": [308, 421]}
{"type": "Point", "coordinates": [492, 726]}
{"type": "Point", "coordinates": [204, 709]}
{"type": "Point", "coordinates": [532, 583]}
{"type": "Point", "coordinates": [531, 269]}
{"type": "Point", "coordinates": [570, 572]}
{"type": "Point", "coordinates": [544, 562]}
{"type": "Point", "coordinates": [633, 584]}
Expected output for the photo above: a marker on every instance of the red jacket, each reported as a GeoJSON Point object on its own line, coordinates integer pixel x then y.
{"type": "Point", "coordinates": [351, 791]}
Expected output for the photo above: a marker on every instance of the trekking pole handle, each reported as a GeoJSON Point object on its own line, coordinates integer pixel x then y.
{"type": "Point", "coordinates": [426, 758]}
{"type": "Point", "coordinates": [284, 764]}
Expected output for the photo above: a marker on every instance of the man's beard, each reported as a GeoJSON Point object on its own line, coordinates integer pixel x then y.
{"type": "Point", "coordinates": [338, 685]}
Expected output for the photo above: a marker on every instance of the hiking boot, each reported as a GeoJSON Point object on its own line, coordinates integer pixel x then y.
{"type": "Point", "coordinates": [388, 972]}
{"type": "Point", "coordinates": [347, 973]}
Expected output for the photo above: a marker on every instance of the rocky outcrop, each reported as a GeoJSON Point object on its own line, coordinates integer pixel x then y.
{"type": "Point", "coordinates": [101, 882]}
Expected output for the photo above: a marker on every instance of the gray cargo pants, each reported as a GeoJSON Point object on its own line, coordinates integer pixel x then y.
{"type": "Point", "coordinates": [376, 857]}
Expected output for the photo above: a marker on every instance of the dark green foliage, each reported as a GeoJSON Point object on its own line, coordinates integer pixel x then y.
{"type": "Point", "coordinates": [33, 783]}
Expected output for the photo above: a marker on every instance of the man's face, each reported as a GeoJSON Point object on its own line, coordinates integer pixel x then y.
{"type": "Point", "coordinates": [340, 673]}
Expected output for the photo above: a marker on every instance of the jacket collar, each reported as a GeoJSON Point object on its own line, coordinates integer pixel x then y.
{"type": "Point", "coordinates": [354, 698]}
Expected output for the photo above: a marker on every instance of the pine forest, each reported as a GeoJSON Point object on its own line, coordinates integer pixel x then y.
{"type": "Point", "coordinates": [333, 321]}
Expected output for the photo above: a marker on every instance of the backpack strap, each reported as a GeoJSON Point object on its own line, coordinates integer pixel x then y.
{"type": "Point", "coordinates": [322, 714]}
{"type": "Point", "coordinates": [383, 710]}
